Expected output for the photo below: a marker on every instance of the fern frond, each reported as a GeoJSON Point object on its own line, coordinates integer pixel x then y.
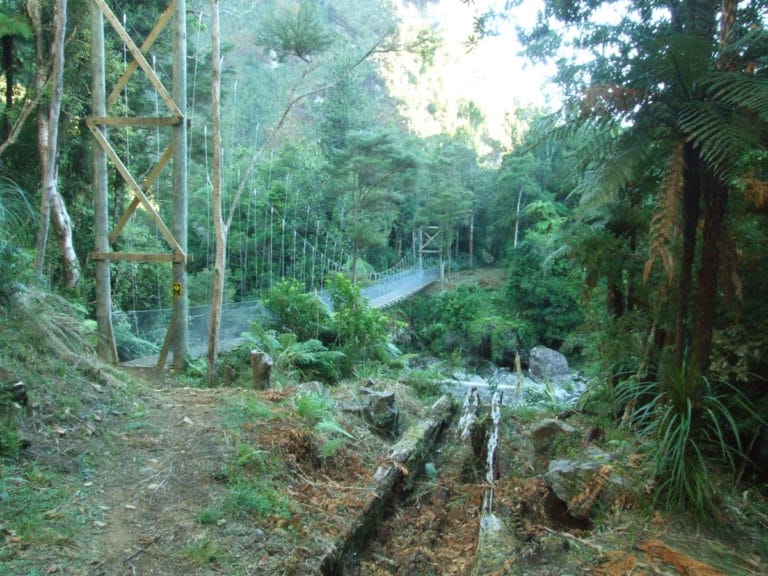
{"type": "Point", "coordinates": [746, 92]}
{"type": "Point", "coordinates": [721, 136]}
{"type": "Point", "coordinates": [331, 426]}
{"type": "Point", "coordinates": [612, 170]}
{"type": "Point", "coordinates": [665, 223]}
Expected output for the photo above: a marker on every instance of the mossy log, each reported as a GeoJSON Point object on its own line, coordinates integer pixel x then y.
{"type": "Point", "coordinates": [393, 477]}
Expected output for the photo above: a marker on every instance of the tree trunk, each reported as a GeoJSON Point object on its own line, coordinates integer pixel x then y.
{"type": "Point", "coordinates": [691, 195]}
{"type": "Point", "coordinates": [220, 230]}
{"type": "Point", "coordinates": [517, 216]}
{"type": "Point", "coordinates": [472, 240]}
{"type": "Point", "coordinates": [715, 198]}
{"type": "Point", "coordinates": [51, 202]}
{"type": "Point", "coordinates": [7, 44]}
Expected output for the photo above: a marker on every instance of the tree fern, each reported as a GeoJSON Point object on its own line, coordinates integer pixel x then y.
{"type": "Point", "coordinates": [722, 136]}
{"type": "Point", "coordinates": [665, 224]}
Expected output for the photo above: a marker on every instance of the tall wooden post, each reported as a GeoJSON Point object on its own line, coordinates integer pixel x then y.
{"type": "Point", "coordinates": [105, 344]}
{"type": "Point", "coordinates": [180, 296]}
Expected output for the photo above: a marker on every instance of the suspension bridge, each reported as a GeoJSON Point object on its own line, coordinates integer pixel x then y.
{"type": "Point", "coordinates": [141, 333]}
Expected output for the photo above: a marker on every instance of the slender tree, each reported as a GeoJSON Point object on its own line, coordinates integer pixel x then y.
{"type": "Point", "coordinates": [220, 229]}
{"type": "Point", "coordinates": [52, 206]}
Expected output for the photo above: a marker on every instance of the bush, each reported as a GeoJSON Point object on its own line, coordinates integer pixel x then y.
{"type": "Point", "coordinates": [546, 297]}
{"type": "Point", "coordinates": [297, 311]}
{"type": "Point", "coordinates": [695, 436]}
{"type": "Point", "coordinates": [499, 339]}
{"type": "Point", "coordinates": [362, 333]}
{"type": "Point", "coordinates": [305, 359]}
{"type": "Point", "coordinates": [471, 321]}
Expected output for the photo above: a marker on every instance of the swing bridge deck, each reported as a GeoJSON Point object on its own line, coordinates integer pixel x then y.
{"type": "Point", "coordinates": [142, 330]}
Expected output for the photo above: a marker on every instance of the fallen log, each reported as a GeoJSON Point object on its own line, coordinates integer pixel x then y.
{"type": "Point", "coordinates": [395, 475]}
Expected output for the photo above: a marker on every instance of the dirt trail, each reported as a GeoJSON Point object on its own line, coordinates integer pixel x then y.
{"type": "Point", "coordinates": [159, 481]}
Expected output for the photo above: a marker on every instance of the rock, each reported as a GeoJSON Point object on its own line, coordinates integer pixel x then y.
{"type": "Point", "coordinates": [379, 411]}
{"type": "Point", "coordinates": [548, 365]}
{"type": "Point", "coordinates": [544, 434]}
{"type": "Point", "coordinates": [261, 366]}
{"type": "Point", "coordinates": [582, 483]}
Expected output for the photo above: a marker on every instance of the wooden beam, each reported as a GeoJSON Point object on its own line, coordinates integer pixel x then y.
{"type": "Point", "coordinates": [134, 185]}
{"type": "Point", "coordinates": [145, 186]}
{"type": "Point", "coordinates": [139, 121]}
{"type": "Point", "coordinates": [124, 220]}
{"type": "Point", "coordinates": [139, 57]}
{"type": "Point", "coordinates": [169, 337]}
{"type": "Point", "coordinates": [138, 256]}
{"type": "Point", "coordinates": [133, 66]}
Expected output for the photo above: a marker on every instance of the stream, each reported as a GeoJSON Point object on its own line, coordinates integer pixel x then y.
{"type": "Point", "coordinates": [474, 502]}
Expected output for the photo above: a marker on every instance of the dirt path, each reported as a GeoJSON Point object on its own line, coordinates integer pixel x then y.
{"type": "Point", "coordinates": [159, 480]}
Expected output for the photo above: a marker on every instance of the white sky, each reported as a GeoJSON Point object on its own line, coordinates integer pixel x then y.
{"type": "Point", "coordinates": [494, 74]}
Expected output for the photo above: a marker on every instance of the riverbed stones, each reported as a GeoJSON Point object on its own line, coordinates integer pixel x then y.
{"type": "Point", "coordinates": [548, 365]}
{"type": "Point", "coordinates": [584, 482]}
{"type": "Point", "coordinates": [380, 411]}
{"type": "Point", "coordinates": [547, 433]}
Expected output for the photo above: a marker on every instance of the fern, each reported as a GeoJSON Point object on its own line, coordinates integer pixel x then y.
{"type": "Point", "coordinates": [746, 92]}
{"type": "Point", "coordinates": [331, 447]}
{"type": "Point", "coordinates": [721, 136]}
{"type": "Point", "coordinates": [331, 426]}
{"type": "Point", "coordinates": [665, 222]}
{"type": "Point", "coordinates": [338, 437]}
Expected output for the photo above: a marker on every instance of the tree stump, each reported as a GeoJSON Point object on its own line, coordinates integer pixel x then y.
{"type": "Point", "coordinates": [261, 366]}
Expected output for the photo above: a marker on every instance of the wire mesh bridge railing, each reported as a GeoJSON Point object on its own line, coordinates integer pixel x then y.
{"type": "Point", "coordinates": [139, 334]}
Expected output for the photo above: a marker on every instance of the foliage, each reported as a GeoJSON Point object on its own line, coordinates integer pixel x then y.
{"type": "Point", "coordinates": [426, 383]}
{"type": "Point", "coordinates": [694, 434]}
{"type": "Point", "coordinates": [334, 437]}
{"type": "Point", "coordinates": [472, 321]}
{"type": "Point", "coordinates": [314, 408]}
{"type": "Point", "coordinates": [544, 294]}
{"type": "Point", "coordinates": [295, 33]}
{"type": "Point", "coordinates": [16, 215]}
{"type": "Point", "coordinates": [305, 359]}
{"type": "Point", "coordinates": [361, 332]}
{"type": "Point", "coordinates": [294, 310]}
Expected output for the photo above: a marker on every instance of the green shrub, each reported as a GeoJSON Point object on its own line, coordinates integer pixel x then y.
{"type": "Point", "coordinates": [545, 296]}
{"type": "Point", "coordinates": [362, 333]}
{"type": "Point", "coordinates": [314, 408]}
{"type": "Point", "coordinates": [294, 310]}
{"type": "Point", "coordinates": [499, 339]}
{"type": "Point", "coordinates": [695, 435]}
{"type": "Point", "coordinates": [308, 359]}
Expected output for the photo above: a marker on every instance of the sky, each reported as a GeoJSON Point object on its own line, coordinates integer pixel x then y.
{"type": "Point", "coordinates": [494, 71]}
{"type": "Point", "coordinates": [492, 75]}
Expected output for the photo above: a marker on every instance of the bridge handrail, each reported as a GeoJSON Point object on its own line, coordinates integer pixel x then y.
{"type": "Point", "coordinates": [237, 316]}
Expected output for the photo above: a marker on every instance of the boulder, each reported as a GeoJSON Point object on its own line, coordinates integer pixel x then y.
{"type": "Point", "coordinates": [548, 365]}
{"type": "Point", "coordinates": [544, 434]}
{"type": "Point", "coordinates": [379, 411]}
{"type": "Point", "coordinates": [582, 483]}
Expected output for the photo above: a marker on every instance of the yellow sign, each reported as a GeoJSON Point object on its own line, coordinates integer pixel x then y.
{"type": "Point", "coordinates": [177, 288]}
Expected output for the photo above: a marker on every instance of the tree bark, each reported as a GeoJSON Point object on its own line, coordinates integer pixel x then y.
{"type": "Point", "coordinates": [7, 44]}
{"type": "Point", "coordinates": [714, 199]}
{"type": "Point", "coordinates": [220, 230]}
{"type": "Point", "coordinates": [52, 205]}
{"type": "Point", "coordinates": [690, 208]}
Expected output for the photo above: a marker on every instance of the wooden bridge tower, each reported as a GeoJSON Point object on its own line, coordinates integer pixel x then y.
{"type": "Point", "coordinates": [429, 245]}
{"type": "Point", "coordinates": [174, 119]}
